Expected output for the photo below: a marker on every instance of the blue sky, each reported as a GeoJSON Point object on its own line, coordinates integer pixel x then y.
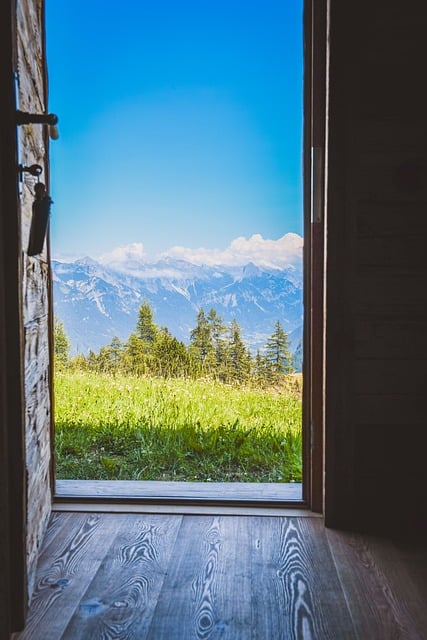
{"type": "Point", "coordinates": [180, 123]}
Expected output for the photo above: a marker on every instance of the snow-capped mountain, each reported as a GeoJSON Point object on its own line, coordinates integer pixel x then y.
{"type": "Point", "coordinates": [97, 302]}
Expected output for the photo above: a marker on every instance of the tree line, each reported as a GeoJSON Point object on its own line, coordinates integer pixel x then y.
{"type": "Point", "coordinates": [216, 351]}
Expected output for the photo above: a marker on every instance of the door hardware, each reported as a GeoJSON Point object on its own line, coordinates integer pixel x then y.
{"type": "Point", "coordinates": [35, 170]}
{"type": "Point", "coordinates": [40, 219]}
{"type": "Point", "coordinates": [51, 119]}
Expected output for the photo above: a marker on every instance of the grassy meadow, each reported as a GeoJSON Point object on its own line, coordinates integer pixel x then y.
{"type": "Point", "coordinates": [146, 428]}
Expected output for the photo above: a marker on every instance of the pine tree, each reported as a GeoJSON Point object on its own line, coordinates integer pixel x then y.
{"type": "Point", "coordinates": [170, 355]}
{"type": "Point", "coordinates": [103, 360]}
{"type": "Point", "coordinates": [116, 348]}
{"type": "Point", "coordinates": [201, 346]}
{"type": "Point", "coordinates": [219, 343]}
{"type": "Point", "coordinates": [239, 358]}
{"type": "Point", "coordinates": [61, 345]}
{"type": "Point", "coordinates": [277, 352]}
{"type": "Point", "coordinates": [261, 369]}
{"type": "Point", "coordinates": [138, 356]}
{"type": "Point", "coordinates": [146, 330]}
{"type": "Point", "coordinates": [92, 361]}
{"type": "Point", "coordinates": [110, 357]}
{"type": "Point", "coordinates": [135, 359]}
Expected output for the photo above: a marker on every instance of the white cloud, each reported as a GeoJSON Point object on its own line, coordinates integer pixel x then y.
{"type": "Point", "coordinates": [67, 257]}
{"type": "Point", "coordinates": [281, 253]}
{"type": "Point", "coordinates": [133, 252]}
{"type": "Point", "coordinates": [285, 251]}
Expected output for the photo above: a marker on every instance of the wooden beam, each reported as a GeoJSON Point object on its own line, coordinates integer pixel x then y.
{"type": "Point", "coordinates": [314, 151]}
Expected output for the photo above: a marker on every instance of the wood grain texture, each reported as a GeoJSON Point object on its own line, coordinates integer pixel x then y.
{"type": "Point", "coordinates": [56, 523]}
{"type": "Point", "coordinates": [165, 577]}
{"type": "Point", "coordinates": [223, 607]}
{"type": "Point", "coordinates": [187, 604]}
{"type": "Point", "coordinates": [121, 599]}
{"type": "Point", "coordinates": [13, 599]}
{"type": "Point", "coordinates": [207, 593]}
{"type": "Point", "coordinates": [65, 570]}
{"type": "Point", "coordinates": [205, 586]}
{"type": "Point", "coordinates": [35, 282]}
{"type": "Point", "coordinates": [122, 506]}
{"type": "Point", "coordinates": [385, 602]}
{"type": "Point", "coordinates": [192, 490]}
{"type": "Point", "coordinates": [297, 594]}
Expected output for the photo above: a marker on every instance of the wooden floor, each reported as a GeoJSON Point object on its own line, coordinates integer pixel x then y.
{"type": "Point", "coordinates": [184, 577]}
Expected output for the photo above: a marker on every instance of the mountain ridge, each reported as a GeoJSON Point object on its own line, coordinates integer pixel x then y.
{"type": "Point", "coordinates": [98, 301]}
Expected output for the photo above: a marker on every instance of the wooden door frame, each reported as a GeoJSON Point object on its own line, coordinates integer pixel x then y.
{"type": "Point", "coordinates": [11, 341]}
{"type": "Point", "coordinates": [315, 55]}
{"type": "Point", "coordinates": [314, 99]}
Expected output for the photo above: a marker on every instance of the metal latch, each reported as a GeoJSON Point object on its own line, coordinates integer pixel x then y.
{"type": "Point", "coordinates": [51, 119]}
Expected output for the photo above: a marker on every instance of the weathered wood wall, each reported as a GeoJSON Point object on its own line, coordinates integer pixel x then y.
{"type": "Point", "coordinates": [13, 573]}
{"type": "Point", "coordinates": [35, 295]}
{"type": "Point", "coordinates": [376, 345]}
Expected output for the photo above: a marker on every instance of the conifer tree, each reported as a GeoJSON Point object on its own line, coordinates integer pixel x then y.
{"type": "Point", "coordinates": [111, 356]}
{"type": "Point", "coordinates": [219, 343]}
{"type": "Point", "coordinates": [92, 361]}
{"type": "Point", "coordinates": [146, 330]}
{"type": "Point", "coordinates": [135, 358]}
{"type": "Point", "coordinates": [170, 355]}
{"type": "Point", "coordinates": [239, 358]}
{"type": "Point", "coordinates": [201, 347]}
{"type": "Point", "coordinates": [103, 360]}
{"type": "Point", "coordinates": [61, 345]}
{"type": "Point", "coordinates": [261, 369]}
{"type": "Point", "coordinates": [277, 352]}
{"type": "Point", "coordinates": [139, 350]}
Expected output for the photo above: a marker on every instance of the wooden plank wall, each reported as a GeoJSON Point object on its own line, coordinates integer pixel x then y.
{"type": "Point", "coordinates": [4, 467]}
{"type": "Point", "coordinates": [35, 294]}
{"type": "Point", "coordinates": [376, 339]}
{"type": "Point", "coordinates": [4, 494]}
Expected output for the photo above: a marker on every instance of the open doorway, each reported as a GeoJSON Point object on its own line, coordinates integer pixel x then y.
{"type": "Point", "coordinates": [177, 238]}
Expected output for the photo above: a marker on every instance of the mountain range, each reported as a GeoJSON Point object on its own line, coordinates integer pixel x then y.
{"type": "Point", "coordinates": [98, 301]}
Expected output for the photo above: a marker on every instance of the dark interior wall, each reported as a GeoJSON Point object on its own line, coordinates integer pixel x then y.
{"type": "Point", "coordinates": [376, 330]}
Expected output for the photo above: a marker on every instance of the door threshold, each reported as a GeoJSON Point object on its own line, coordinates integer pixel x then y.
{"type": "Point", "coordinates": [256, 493]}
{"type": "Point", "coordinates": [213, 498]}
{"type": "Point", "coordinates": [106, 506]}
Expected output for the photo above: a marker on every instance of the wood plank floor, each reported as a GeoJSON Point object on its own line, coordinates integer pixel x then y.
{"type": "Point", "coordinates": [104, 576]}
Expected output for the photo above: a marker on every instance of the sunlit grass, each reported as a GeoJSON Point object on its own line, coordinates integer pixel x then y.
{"type": "Point", "coordinates": [117, 427]}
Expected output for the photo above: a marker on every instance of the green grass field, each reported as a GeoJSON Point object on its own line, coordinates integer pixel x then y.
{"type": "Point", "coordinates": [117, 427]}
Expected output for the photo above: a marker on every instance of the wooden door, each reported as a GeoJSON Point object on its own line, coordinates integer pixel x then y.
{"type": "Point", "coordinates": [25, 457]}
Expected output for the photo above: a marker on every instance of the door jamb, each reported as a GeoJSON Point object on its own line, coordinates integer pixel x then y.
{"type": "Point", "coordinates": [12, 392]}
{"type": "Point", "coordinates": [315, 49]}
